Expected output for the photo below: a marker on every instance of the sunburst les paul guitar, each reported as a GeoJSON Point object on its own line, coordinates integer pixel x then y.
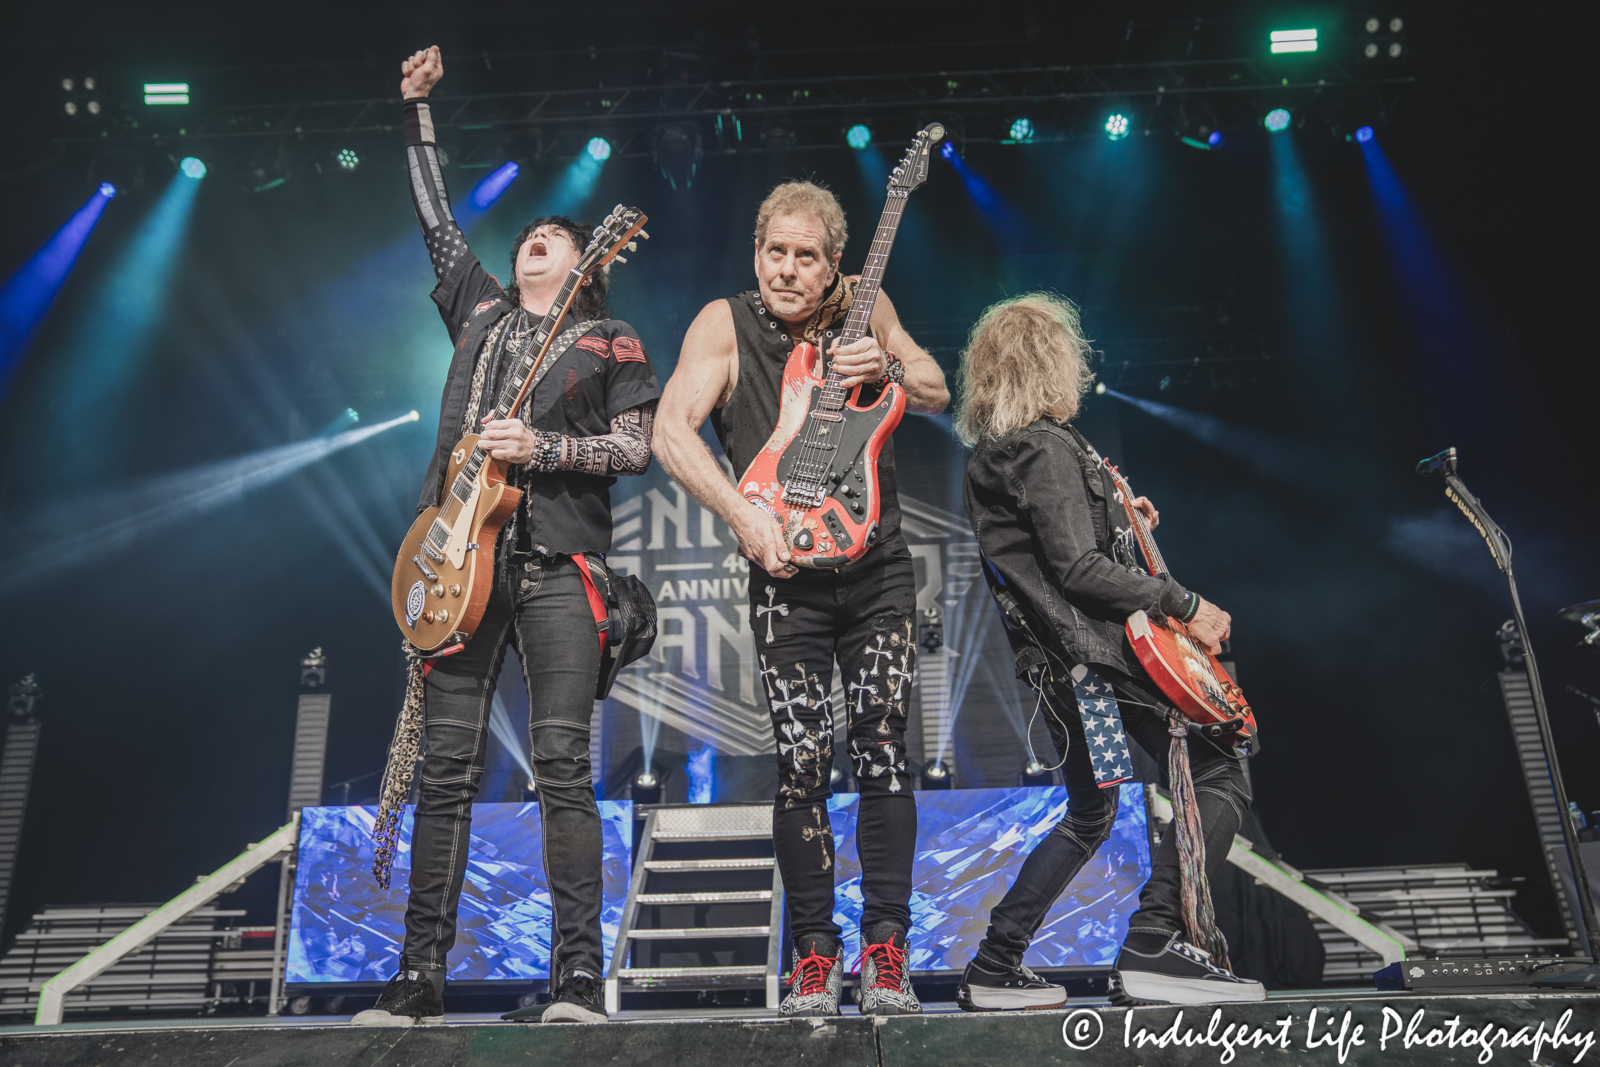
{"type": "Point", "coordinates": [1190, 677]}
{"type": "Point", "coordinates": [818, 472]}
{"type": "Point", "coordinates": [445, 568]}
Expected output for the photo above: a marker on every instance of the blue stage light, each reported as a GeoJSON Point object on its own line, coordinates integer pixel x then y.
{"type": "Point", "coordinates": [107, 190]}
{"type": "Point", "coordinates": [1364, 134]}
{"type": "Point", "coordinates": [1022, 129]}
{"type": "Point", "coordinates": [947, 150]}
{"type": "Point", "coordinates": [28, 293]}
{"type": "Point", "coordinates": [493, 184]}
{"type": "Point", "coordinates": [192, 168]}
{"type": "Point", "coordinates": [1277, 120]}
{"type": "Point", "coordinates": [1117, 127]}
{"type": "Point", "coordinates": [1215, 140]}
{"type": "Point", "coordinates": [348, 160]}
{"type": "Point", "coordinates": [858, 136]}
{"type": "Point", "coordinates": [599, 149]}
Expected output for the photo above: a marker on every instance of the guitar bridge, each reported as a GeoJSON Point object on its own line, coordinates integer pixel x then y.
{"type": "Point", "coordinates": [437, 557]}
{"type": "Point", "coordinates": [427, 571]}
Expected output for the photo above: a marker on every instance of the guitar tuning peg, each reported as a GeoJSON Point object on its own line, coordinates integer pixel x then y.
{"type": "Point", "coordinates": [644, 235]}
{"type": "Point", "coordinates": [619, 209]}
{"type": "Point", "coordinates": [598, 230]}
{"type": "Point", "coordinates": [619, 259]}
{"type": "Point", "coordinates": [633, 246]}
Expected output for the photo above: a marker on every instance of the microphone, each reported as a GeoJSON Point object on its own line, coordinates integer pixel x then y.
{"type": "Point", "coordinates": [1445, 461]}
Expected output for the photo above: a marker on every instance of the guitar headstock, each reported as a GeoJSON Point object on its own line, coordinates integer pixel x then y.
{"type": "Point", "coordinates": [912, 170]}
{"type": "Point", "coordinates": [615, 232]}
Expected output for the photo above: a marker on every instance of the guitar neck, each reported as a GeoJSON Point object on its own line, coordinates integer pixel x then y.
{"type": "Point", "coordinates": [859, 317]}
{"type": "Point", "coordinates": [1141, 529]}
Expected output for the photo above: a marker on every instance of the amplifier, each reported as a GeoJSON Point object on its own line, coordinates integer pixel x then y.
{"type": "Point", "coordinates": [1436, 974]}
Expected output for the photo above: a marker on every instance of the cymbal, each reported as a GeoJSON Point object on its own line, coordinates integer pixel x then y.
{"type": "Point", "coordinates": [1577, 611]}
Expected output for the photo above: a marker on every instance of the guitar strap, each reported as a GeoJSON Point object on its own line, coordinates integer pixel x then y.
{"type": "Point", "coordinates": [1103, 731]}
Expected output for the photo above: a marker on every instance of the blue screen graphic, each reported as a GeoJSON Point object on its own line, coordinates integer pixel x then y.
{"type": "Point", "coordinates": [343, 928]}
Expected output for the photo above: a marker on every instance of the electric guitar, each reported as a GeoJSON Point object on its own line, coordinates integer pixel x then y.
{"type": "Point", "coordinates": [1190, 677]}
{"type": "Point", "coordinates": [445, 568]}
{"type": "Point", "coordinates": [818, 472]}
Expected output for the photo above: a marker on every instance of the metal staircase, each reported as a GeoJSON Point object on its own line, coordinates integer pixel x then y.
{"type": "Point", "coordinates": [703, 873]}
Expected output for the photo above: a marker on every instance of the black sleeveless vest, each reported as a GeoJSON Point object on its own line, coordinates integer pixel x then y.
{"type": "Point", "coordinates": [745, 422]}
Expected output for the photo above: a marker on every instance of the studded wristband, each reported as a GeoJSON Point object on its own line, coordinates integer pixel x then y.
{"type": "Point", "coordinates": [894, 370]}
{"type": "Point", "coordinates": [547, 449]}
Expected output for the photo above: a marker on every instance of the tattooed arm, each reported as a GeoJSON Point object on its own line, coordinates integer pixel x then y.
{"type": "Point", "coordinates": [625, 450]}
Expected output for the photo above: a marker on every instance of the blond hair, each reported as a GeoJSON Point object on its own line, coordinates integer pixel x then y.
{"type": "Point", "coordinates": [804, 198]}
{"type": "Point", "coordinates": [1026, 359]}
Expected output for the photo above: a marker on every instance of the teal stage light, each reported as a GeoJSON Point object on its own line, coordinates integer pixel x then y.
{"type": "Point", "coordinates": [1022, 129]}
{"type": "Point", "coordinates": [858, 136]}
{"type": "Point", "coordinates": [348, 160]}
{"type": "Point", "coordinates": [166, 93]}
{"type": "Point", "coordinates": [599, 149]}
{"type": "Point", "coordinates": [192, 168]}
{"type": "Point", "coordinates": [1277, 120]}
{"type": "Point", "coordinates": [1293, 41]}
{"type": "Point", "coordinates": [1117, 127]}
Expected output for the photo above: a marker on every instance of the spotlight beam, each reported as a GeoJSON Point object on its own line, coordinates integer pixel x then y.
{"type": "Point", "coordinates": [29, 293]}
{"type": "Point", "coordinates": [165, 501]}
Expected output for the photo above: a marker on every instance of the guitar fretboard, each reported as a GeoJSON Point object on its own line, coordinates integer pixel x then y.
{"type": "Point", "coordinates": [832, 396]}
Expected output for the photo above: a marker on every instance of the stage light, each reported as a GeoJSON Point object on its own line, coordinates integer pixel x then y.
{"type": "Point", "coordinates": [1372, 25]}
{"type": "Point", "coordinates": [1215, 140]}
{"type": "Point", "coordinates": [947, 150]}
{"type": "Point", "coordinates": [1035, 774]}
{"type": "Point", "coordinates": [88, 83]}
{"type": "Point", "coordinates": [1117, 127]}
{"type": "Point", "coordinates": [67, 85]}
{"type": "Point", "coordinates": [192, 168]}
{"type": "Point", "coordinates": [27, 295]}
{"type": "Point", "coordinates": [1370, 51]}
{"type": "Point", "coordinates": [858, 136]}
{"type": "Point", "coordinates": [599, 149]}
{"type": "Point", "coordinates": [1294, 41]}
{"type": "Point", "coordinates": [646, 788]}
{"type": "Point", "coordinates": [1396, 25]}
{"type": "Point", "coordinates": [166, 92]}
{"type": "Point", "coordinates": [1395, 50]}
{"type": "Point", "coordinates": [1099, 388]}
{"type": "Point", "coordinates": [93, 106]}
{"type": "Point", "coordinates": [1022, 129]}
{"type": "Point", "coordinates": [348, 160]}
{"type": "Point", "coordinates": [699, 768]}
{"type": "Point", "coordinates": [1277, 120]}
{"type": "Point", "coordinates": [937, 776]}
{"type": "Point", "coordinates": [493, 184]}
{"type": "Point", "coordinates": [1364, 134]}
{"type": "Point", "coordinates": [70, 108]}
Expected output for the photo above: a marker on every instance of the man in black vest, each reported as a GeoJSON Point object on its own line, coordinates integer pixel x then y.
{"type": "Point", "coordinates": [731, 368]}
{"type": "Point", "coordinates": [587, 421]}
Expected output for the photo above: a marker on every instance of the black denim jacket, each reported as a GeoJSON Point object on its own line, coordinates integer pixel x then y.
{"type": "Point", "coordinates": [1054, 537]}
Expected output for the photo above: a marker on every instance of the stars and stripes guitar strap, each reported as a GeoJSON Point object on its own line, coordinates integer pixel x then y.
{"type": "Point", "coordinates": [1102, 727]}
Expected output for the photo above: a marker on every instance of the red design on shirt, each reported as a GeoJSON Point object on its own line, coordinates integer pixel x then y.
{"type": "Point", "coordinates": [597, 345]}
{"type": "Point", "coordinates": [486, 305]}
{"type": "Point", "coordinates": [627, 350]}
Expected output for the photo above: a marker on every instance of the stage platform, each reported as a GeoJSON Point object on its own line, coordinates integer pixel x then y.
{"type": "Point", "coordinates": [1348, 1028]}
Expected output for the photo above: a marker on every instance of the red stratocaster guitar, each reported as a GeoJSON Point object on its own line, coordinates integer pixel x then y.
{"type": "Point", "coordinates": [445, 568]}
{"type": "Point", "coordinates": [1190, 677]}
{"type": "Point", "coordinates": [818, 472]}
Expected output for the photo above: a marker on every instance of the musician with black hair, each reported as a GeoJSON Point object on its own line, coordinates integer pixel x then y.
{"type": "Point", "coordinates": [1058, 550]}
{"type": "Point", "coordinates": [586, 421]}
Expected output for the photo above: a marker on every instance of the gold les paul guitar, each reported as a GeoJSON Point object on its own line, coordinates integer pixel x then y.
{"type": "Point", "coordinates": [445, 568]}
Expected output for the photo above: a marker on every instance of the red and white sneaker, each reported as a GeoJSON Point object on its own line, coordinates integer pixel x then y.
{"type": "Point", "coordinates": [815, 978]}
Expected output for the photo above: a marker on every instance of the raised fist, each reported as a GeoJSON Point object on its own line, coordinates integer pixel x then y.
{"type": "Point", "coordinates": [420, 73]}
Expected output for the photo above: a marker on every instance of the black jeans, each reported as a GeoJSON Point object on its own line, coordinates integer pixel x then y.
{"type": "Point", "coordinates": [861, 615]}
{"type": "Point", "coordinates": [543, 611]}
{"type": "Point", "coordinates": [1221, 792]}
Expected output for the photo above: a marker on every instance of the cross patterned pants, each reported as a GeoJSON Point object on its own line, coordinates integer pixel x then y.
{"type": "Point", "coordinates": [861, 616]}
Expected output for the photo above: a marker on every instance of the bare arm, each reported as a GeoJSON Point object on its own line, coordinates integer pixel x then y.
{"type": "Point", "coordinates": [702, 380]}
{"type": "Point", "coordinates": [865, 361]}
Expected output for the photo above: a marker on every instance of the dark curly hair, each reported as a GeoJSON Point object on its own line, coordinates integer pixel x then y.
{"type": "Point", "coordinates": [591, 299]}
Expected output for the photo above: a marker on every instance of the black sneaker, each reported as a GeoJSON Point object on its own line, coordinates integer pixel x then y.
{"type": "Point", "coordinates": [989, 987]}
{"type": "Point", "coordinates": [1177, 973]}
{"type": "Point", "coordinates": [815, 979]}
{"type": "Point", "coordinates": [411, 997]}
{"type": "Point", "coordinates": [577, 1000]}
{"type": "Point", "coordinates": [885, 987]}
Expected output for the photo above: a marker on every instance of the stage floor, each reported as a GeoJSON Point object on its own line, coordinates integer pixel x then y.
{"type": "Point", "coordinates": [1372, 1028]}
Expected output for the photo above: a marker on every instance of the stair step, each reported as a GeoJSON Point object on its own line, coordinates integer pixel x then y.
{"type": "Point", "coordinates": [682, 933]}
{"type": "Point", "coordinates": [755, 971]}
{"type": "Point", "coordinates": [724, 897]}
{"type": "Point", "coordinates": [740, 863]}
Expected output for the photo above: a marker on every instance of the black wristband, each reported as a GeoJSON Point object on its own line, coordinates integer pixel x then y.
{"type": "Point", "coordinates": [419, 122]}
{"type": "Point", "coordinates": [1191, 607]}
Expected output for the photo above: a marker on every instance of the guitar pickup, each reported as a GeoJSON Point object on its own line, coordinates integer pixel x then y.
{"type": "Point", "coordinates": [427, 571]}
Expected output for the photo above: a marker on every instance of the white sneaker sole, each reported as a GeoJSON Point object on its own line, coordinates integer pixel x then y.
{"type": "Point", "coordinates": [985, 999]}
{"type": "Point", "coordinates": [567, 1012]}
{"type": "Point", "coordinates": [1167, 989]}
{"type": "Point", "coordinates": [374, 1017]}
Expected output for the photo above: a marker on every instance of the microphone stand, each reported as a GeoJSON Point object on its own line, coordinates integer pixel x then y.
{"type": "Point", "coordinates": [1500, 548]}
